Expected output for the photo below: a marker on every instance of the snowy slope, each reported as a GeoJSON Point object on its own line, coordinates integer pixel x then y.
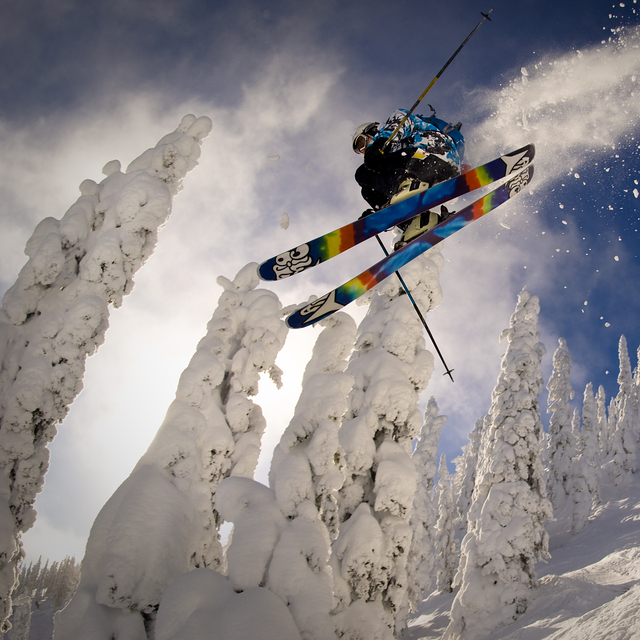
{"type": "Point", "coordinates": [590, 588]}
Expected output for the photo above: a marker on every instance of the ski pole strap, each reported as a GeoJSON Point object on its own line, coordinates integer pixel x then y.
{"type": "Point", "coordinates": [485, 16]}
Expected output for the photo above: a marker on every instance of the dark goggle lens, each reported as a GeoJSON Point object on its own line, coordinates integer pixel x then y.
{"type": "Point", "coordinates": [360, 144]}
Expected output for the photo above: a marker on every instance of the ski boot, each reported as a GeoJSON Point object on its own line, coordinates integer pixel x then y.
{"type": "Point", "coordinates": [409, 187]}
{"type": "Point", "coordinates": [420, 224]}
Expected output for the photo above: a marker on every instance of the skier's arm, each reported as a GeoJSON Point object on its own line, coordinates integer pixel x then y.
{"type": "Point", "coordinates": [376, 160]}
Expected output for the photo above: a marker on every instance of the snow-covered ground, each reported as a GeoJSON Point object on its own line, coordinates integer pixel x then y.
{"type": "Point", "coordinates": [589, 589]}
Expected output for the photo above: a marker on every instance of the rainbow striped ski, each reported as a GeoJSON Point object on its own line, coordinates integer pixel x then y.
{"type": "Point", "coordinates": [335, 242]}
{"type": "Point", "coordinates": [348, 292]}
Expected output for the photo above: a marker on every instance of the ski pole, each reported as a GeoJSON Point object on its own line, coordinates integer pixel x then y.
{"type": "Point", "coordinates": [485, 16]}
{"type": "Point", "coordinates": [447, 371]}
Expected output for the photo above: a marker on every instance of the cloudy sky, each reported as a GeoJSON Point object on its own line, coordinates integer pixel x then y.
{"type": "Point", "coordinates": [85, 82]}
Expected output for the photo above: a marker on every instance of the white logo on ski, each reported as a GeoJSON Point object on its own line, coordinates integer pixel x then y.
{"type": "Point", "coordinates": [518, 183]}
{"type": "Point", "coordinates": [291, 262]}
{"type": "Point", "coordinates": [517, 162]}
{"type": "Point", "coordinates": [320, 308]}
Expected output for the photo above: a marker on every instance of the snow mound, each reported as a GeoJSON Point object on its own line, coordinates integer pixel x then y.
{"type": "Point", "coordinates": [203, 605]}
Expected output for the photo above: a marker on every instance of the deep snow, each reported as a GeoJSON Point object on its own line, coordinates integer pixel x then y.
{"type": "Point", "coordinates": [590, 587]}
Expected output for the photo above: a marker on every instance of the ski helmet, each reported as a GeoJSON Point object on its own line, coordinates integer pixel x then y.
{"type": "Point", "coordinates": [360, 135]}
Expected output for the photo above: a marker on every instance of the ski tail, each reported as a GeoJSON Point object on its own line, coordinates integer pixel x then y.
{"type": "Point", "coordinates": [350, 291]}
{"type": "Point", "coordinates": [331, 244]}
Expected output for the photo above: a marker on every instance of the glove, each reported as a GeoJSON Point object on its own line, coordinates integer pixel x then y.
{"type": "Point", "coordinates": [387, 161]}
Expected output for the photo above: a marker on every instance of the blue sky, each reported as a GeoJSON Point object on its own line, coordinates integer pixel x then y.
{"type": "Point", "coordinates": [85, 82]}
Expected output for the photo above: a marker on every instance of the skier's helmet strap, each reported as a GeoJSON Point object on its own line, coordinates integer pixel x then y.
{"type": "Point", "coordinates": [362, 134]}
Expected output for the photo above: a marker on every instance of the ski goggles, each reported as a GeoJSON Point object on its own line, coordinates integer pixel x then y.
{"type": "Point", "coordinates": [361, 143]}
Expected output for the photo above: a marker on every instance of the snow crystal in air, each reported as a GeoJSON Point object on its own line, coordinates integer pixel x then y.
{"type": "Point", "coordinates": [635, 193]}
{"type": "Point", "coordinates": [616, 258]}
{"type": "Point", "coordinates": [284, 223]}
{"type": "Point", "coordinates": [273, 158]}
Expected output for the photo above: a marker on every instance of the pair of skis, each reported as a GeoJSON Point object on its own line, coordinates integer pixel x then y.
{"type": "Point", "coordinates": [516, 164]}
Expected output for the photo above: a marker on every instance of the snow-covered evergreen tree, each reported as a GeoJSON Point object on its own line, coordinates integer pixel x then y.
{"type": "Point", "coordinates": [162, 521]}
{"type": "Point", "coordinates": [635, 386]}
{"type": "Point", "coordinates": [390, 367]}
{"type": "Point", "coordinates": [445, 542]}
{"type": "Point", "coordinates": [307, 463]}
{"type": "Point", "coordinates": [21, 618]}
{"type": "Point", "coordinates": [464, 479]}
{"type": "Point", "coordinates": [55, 583]}
{"type": "Point", "coordinates": [590, 446]}
{"type": "Point", "coordinates": [561, 443]}
{"type": "Point", "coordinates": [624, 440]}
{"type": "Point", "coordinates": [581, 490]}
{"type": "Point", "coordinates": [421, 565]}
{"type": "Point", "coordinates": [602, 423]}
{"type": "Point", "coordinates": [506, 532]}
{"type": "Point", "coordinates": [306, 474]}
{"type": "Point", "coordinates": [56, 314]}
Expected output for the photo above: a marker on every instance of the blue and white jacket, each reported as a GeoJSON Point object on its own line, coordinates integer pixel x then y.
{"type": "Point", "coordinates": [430, 134]}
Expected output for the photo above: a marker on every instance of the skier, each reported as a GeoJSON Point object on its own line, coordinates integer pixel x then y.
{"type": "Point", "coordinates": [425, 151]}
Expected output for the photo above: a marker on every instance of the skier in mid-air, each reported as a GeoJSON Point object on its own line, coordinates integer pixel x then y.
{"type": "Point", "coordinates": [424, 152]}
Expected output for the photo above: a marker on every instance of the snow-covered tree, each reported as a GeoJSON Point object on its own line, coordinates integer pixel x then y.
{"type": "Point", "coordinates": [307, 463]}
{"type": "Point", "coordinates": [163, 520]}
{"type": "Point", "coordinates": [506, 532]}
{"type": "Point", "coordinates": [390, 367]}
{"type": "Point", "coordinates": [602, 422]}
{"type": "Point", "coordinates": [624, 440]}
{"type": "Point", "coordinates": [464, 479]}
{"type": "Point", "coordinates": [55, 583]}
{"type": "Point", "coordinates": [306, 474]}
{"type": "Point", "coordinates": [21, 618]}
{"type": "Point", "coordinates": [590, 446]}
{"type": "Point", "coordinates": [561, 443]}
{"type": "Point", "coordinates": [636, 385]}
{"type": "Point", "coordinates": [56, 314]}
{"type": "Point", "coordinates": [445, 541]}
{"type": "Point", "coordinates": [421, 566]}
{"type": "Point", "coordinates": [580, 481]}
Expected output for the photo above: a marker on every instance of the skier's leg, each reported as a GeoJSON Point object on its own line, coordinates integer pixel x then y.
{"type": "Point", "coordinates": [377, 188]}
{"type": "Point", "coordinates": [433, 169]}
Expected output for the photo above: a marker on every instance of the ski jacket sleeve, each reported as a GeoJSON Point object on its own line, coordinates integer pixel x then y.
{"type": "Point", "coordinates": [392, 160]}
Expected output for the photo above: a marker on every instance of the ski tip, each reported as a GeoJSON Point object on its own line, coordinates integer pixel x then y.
{"type": "Point", "coordinates": [265, 271]}
{"type": "Point", "coordinates": [291, 324]}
